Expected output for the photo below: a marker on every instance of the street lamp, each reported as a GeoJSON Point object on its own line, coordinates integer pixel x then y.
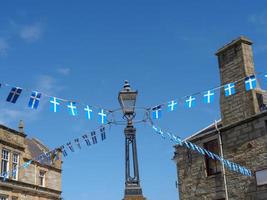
{"type": "Point", "coordinates": [127, 99]}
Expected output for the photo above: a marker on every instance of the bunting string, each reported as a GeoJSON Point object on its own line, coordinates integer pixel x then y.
{"type": "Point", "coordinates": [187, 144]}
{"type": "Point", "coordinates": [51, 156]}
{"type": "Point", "coordinates": [250, 83]}
{"type": "Point", "coordinates": [56, 103]}
{"type": "Point", "coordinates": [189, 101]}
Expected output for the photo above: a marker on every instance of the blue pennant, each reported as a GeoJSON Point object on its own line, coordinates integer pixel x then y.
{"type": "Point", "coordinates": [34, 100]}
{"type": "Point", "coordinates": [14, 94]}
{"type": "Point", "coordinates": [93, 135]}
{"type": "Point", "coordinates": [62, 148]}
{"type": "Point", "coordinates": [89, 112]}
{"type": "Point", "coordinates": [156, 112]}
{"type": "Point", "coordinates": [229, 89]}
{"type": "Point", "coordinates": [54, 102]}
{"type": "Point", "coordinates": [190, 102]}
{"type": "Point", "coordinates": [70, 146]}
{"type": "Point", "coordinates": [72, 108]}
{"type": "Point", "coordinates": [172, 105]}
{"type": "Point", "coordinates": [77, 142]}
{"type": "Point", "coordinates": [103, 133]}
{"type": "Point", "coordinates": [208, 97]}
{"type": "Point", "coordinates": [250, 82]}
{"type": "Point", "coordinates": [102, 117]}
{"type": "Point", "coordinates": [86, 139]}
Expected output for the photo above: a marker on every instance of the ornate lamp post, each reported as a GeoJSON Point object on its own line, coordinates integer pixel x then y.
{"type": "Point", "coordinates": [127, 99]}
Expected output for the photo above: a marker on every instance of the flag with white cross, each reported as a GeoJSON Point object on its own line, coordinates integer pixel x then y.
{"type": "Point", "coordinates": [157, 112]}
{"type": "Point", "coordinates": [93, 135]}
{"type": "Point", "coordinates": [250, 82]}
{"type": "Point", "coordinates": [190, 102]}
{"type": "Point", "coordinates": [229, 89]}
{"type": "Point", "coordinates": [72, 108]}
{"type": "Point", "coordinates": [89, 112]}
{"type": "Point", "coordinates": [208, 96]}
{"type": "Point", "coordinates": [54, 102]}
{"type": "Point", "coordinates": [14, 94]}
{"type": "Point", "coordinates": [102, 116]}
{"type": "Point", "coordinates": [34, 100]}
{"type": "Point", "coordinates": [86, 139]}
{"type": "Point", "coordinates": [172, 105]}
{"type": "Point", "coordinates": [103, 133]}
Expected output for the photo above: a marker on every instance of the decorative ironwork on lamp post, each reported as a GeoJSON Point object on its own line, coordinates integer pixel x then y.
{"type": "Point", "coordinates": [127, 99]}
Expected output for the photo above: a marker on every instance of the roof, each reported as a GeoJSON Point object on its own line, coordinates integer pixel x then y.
{"type": "Point", "coordinates": [206, 131]}
{"type": "Point", "coordinates": [36, 148]}
{"type": "Point", "coordinates": [12, 130]}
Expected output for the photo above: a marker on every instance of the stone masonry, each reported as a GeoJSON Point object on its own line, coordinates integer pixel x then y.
{"type": "Point", "coordinates": [27, 185]}
{"type": "Point", "coordinates": [243, 129]}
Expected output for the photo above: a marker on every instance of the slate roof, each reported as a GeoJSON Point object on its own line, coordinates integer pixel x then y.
{"type": "Point", "coordinates": [206, 131]}
{"type": "Point", "coordinates": [36, 148]}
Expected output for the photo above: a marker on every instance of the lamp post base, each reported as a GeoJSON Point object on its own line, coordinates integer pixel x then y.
{"type": "Point", "coordinates": [134, 198]}
{"type": "Point", "coordinates": [133, 193]}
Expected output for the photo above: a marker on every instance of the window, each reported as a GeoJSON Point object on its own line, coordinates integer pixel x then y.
{"type": "Point", "coordinates": [42, 178]}
{"type": "Point", "coordinates": [3, 197]}
{"type": "Point", "coordinates": [15, 164]}
{"type": "Point", "coordinates": [261, 177]}
{"type": "Point", "coordinates": [4, 162]}
{"type": "Point", "coordinates": [213, 166]}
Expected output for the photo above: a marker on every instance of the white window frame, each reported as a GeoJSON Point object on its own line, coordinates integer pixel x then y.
{"type": "Point", "coordinates": [4, 159]}
{"type": "Point", "coordinates": [16, 164]}
{"type": "Point", "coordinates": [3, 197]}
{"type": "Point", "coordinates": [42, 174]}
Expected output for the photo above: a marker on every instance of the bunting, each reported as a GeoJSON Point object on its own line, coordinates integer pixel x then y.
{"type": "Point", "coordinates": [14, 94]}
{"type": "Point", "coordinates": [230, 165]}
{"type": "Point", "coordinates": [34, 100]}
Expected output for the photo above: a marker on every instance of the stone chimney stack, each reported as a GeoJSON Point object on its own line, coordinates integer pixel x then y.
{"type": "Point", "coordinates": [21, 126]}
{"type": "Point", "coordinates": [236, 62]}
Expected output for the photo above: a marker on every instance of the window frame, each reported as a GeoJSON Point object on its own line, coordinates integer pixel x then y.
{"type": "Point", "coordinates": [3, 197]}
{"type": "Point", "coordinates": [208, 160]}
{"type": "Point", "coordinates": [5, 160]}
{"type": "Point", "coordinates": [16, 164]}
{"type": "Point", "coordinates": [42, 175]}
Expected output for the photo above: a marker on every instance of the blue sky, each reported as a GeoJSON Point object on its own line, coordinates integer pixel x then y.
{"type": "Point", "coordinates": [85, 50]}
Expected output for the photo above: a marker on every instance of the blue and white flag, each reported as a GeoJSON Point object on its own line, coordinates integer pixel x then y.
{"type": "Point", "coordinates": [34, 100]}
{"type": "Point", "coordinates": [89, 112]}
{"type": "Point", "coordinates": [93, 135]}
{"type": "Point", "coordinates": [77, 142]}
{"type": "Point", "coordinates": [86, 139]}
{"type": "Point", "coordinates": [172, 105]}
{"type": "Point", "coordinates": [64, 152]}
{"type": "Point", "coordinates": [27, 164]}
{"type": "Point", "coordinates": [54, 102]}
{"type": "Point", "coordinates": [102, 117]}
{"type": "Point", "coordinates": [190, 102]}
{"type": "Point", "coordinates": [250, 82]}
{"type": "Point", "coordinates": [208, 96]}
{"type": "Point", "coordinates": [72, 108]}
{"type": "Point", "coordinates": [103, 133]}
{"type": "Point", "coordinates": [156, 112]}
{"type": "Point", "coordinates": [70, 146]}
{"type": "Point", "coordinates": [229, 89]}
{"type": "Point", "coordinates": [14, 94]}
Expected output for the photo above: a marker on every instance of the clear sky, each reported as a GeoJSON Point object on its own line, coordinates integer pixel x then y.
{"type": "Point", "coordinates": [84, 50]}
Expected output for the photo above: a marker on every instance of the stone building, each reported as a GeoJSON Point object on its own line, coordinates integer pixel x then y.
{"type": "Point", "coordinates": [38, 181]}
{"type": "Point", "coordinates": [240, 136]}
